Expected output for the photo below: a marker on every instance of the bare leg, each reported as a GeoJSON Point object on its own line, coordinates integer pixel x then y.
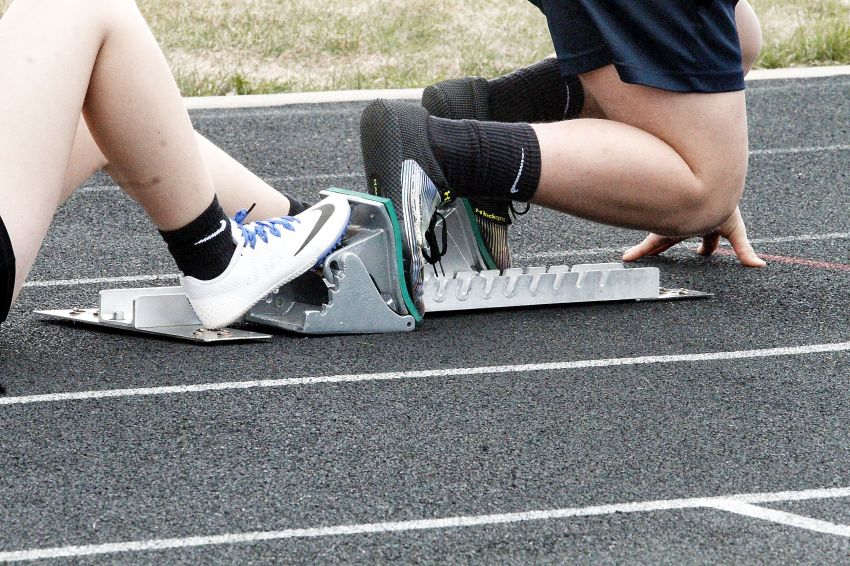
{"type": "Point", "coordinates": [73, 56]}
{"type": "Point", "coordinates": [749, 32]}
{"type": "Point", "coordinates": [733, 228]}
{"type": "Point", "coordinates": [696, 145]}
{"type": "Point", "coordinates": [236, 186]}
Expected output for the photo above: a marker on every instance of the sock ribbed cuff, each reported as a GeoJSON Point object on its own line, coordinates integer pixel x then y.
{"type": "Point", "coordinates": [537, 93]}
{"type": "Point", "coordinates": [488, 160]}
{"type": "Point", "coordinates": [204, 247]}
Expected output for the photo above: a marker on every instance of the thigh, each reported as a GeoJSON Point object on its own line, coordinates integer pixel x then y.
{"type": "Point", "coordinates": [709, 131]}
{"type": "Point", "coordinates": [676, 45]}
{"type": "Point", "coordinates": [39, 111]}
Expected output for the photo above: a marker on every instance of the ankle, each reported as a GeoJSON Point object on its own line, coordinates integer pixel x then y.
{"type": "Point", "coordinates": [488, 160]}
{"type": "Point", "coordinates": [203, 248]}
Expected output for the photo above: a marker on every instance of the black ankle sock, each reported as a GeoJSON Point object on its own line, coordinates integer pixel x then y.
{"type": "Point", "coordinates": [487, 159]}
{"type": "Point", "coordinates": [203, 248]}
{"type": "Point", "coordinates": [535, 94]}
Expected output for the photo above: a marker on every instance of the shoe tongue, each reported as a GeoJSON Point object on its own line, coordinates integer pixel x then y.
{"type": "Point", "coordinates": [235, 231]}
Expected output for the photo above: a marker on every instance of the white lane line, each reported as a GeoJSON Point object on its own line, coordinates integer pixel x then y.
{"type": "Point", "coordinates": [782, 517]}
{"type": "Point", "coordinates": [332, 176]}
{"type": "Point", "coordinates": [688, 245]}
{"type": "Point", "coordinates": [410, 525]}
{"type": "Point", "coordinates": [789, 150]}
{"type": "Point", "coordinates": [289, 98]}
{"type": "Point", "coordinates": [101, 280]}
{"type": "Point", "coordinates": [269, 180]}
{"type": "Point", "coordinates": [447, 372]}
{"type": "Point", "coordinates": [521, 257]}
{"type": "Point", "coordinates": [798, 73]}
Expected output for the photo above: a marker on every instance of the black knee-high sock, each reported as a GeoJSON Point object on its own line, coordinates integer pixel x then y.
{"type": "Point", "coordinates": [534, 94]}
{"type": "Point", "coordinates": [204, 247]}
{"type": "Point", "coordinates": [491, 160]}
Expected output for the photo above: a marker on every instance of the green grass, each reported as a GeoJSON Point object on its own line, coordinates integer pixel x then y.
{"type": "Point", "coordinates": [264, 46]}
{"type": "Point", "coordinates": [804, 32]}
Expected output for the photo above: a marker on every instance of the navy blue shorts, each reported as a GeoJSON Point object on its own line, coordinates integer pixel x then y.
{"type": "Point", "coordinates": [675, 45]}
{"type": "Point", "coordinates": [7, 272]}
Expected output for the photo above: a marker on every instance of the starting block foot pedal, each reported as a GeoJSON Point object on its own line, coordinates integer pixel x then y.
{"type": "Point", "coordinates": [158, 311]}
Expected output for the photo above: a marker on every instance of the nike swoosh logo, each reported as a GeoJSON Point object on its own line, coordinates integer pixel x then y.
{"type": "Point", "coordinates": [519, 174]}
{"type": "Point", "coordinates": [214, 234]}
{"type": "Point", "coordinates": [327, 210]}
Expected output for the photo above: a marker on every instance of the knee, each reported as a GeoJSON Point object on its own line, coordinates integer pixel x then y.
{"type": "Point", "coordinates": [705, 205]}
{"type": "Point", "coordinates": [105, 13]}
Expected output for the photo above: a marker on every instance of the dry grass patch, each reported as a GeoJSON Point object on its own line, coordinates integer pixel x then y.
{"type": "Point", "coordinates": [261, 46]}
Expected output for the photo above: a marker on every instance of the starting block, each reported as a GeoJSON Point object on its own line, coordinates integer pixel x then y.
{"type": "Point", "coordinates": [360, 287]}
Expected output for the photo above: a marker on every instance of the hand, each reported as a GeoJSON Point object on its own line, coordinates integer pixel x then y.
{"type": "Point", "coordinates": [732, 229]}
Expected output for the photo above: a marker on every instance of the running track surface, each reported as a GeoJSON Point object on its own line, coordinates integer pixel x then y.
{"type": "Point", "coordinates": [710, 431]}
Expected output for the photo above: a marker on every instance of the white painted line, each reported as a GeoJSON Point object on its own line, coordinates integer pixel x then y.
{"type": "Point", "coordinates": [102, 280]}
{"type": "Point", "coordinates": [522, 257]}
{"type": "Point", "coordinates": [798, 73]}
{"type": "Point", "coordinates": [405, 526]}
{"type": "Point", "coordinates": [332, 176]}
{"type": "Point", "coordinates": [779, 496]}
{"type": "Point", "coordinates": [802, 238]}
{"type": "Point", "coordinates": [269, 180]}
{"type": "Point", "coordinates": [782, 517]}
{"type": "Point", "coordinates": [686, 245]}
{"type": "Point", "coordinates": [286, 99]}
{"type": "Point", "coordinates": [289, 98]}
{"type": "Point", "coordinates": [790, 150]}
{"type": "Point", "coordinates": [424, 374]}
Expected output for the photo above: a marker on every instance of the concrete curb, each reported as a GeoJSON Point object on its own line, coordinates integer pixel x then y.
{"type": "Point", "coordinates": [286, 99]}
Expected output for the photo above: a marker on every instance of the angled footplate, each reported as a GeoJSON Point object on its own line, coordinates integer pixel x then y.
{"type": "Point", "coordinates": [159, 311]}
{"type": "Point", "coordinates": [360, 287]}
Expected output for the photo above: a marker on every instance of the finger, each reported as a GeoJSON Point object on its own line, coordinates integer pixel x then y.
{"type": "Point", "coordinates": [741, 242]}
{"type": "Point", "coordinates": [709, 244]}
{"type": "Point", "coordinates": [651, 246]}
{"type": "Point", "coordinates": [745, 252]}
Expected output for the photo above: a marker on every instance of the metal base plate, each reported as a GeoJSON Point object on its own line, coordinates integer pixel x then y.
{"type": "Point", "coordinates": [190, 333]}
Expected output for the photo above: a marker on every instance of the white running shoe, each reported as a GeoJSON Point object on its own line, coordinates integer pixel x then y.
{"type": "Point", "coordinates": [268, 254]}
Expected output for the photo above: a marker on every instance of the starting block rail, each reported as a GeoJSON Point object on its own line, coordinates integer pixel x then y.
{"type": "Point", "coordinates": [360, 287]}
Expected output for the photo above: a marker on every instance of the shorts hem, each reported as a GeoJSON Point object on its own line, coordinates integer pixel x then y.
{"type": "Point", "coordinates": [715, 82]}
{"type": "Point", "coordinates": [584, 62]}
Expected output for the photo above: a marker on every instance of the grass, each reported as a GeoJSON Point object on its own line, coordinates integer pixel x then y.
{"type": "Point", "coordinates": [265, 46]}
{"type": "Point", "coordinates": [811, 32]}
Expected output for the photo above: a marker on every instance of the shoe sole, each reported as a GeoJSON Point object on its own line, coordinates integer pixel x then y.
{"type": "Point", "coordinates": [414, 182]}
{"type": "Point", "coordinates": [382, 146]}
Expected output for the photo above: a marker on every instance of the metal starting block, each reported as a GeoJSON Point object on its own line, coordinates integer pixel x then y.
{"type": "Point", "coordinates": [360, 287]}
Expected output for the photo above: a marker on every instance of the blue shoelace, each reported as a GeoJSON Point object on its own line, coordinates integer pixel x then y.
{"type": "Point", "coordinates": [259, 229]}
